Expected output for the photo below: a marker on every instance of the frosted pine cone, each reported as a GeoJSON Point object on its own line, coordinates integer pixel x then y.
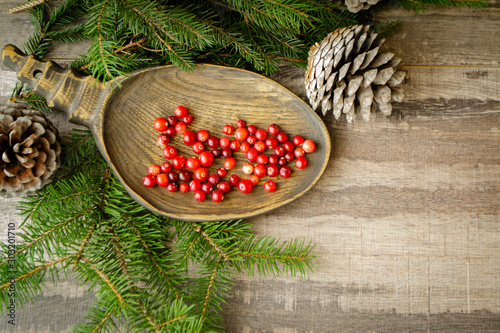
{"type": "Point", "coordinates": [29, 148]}
{"type": "Point", "coordinates": [347, 74]}
{"type": "Point", "coordinates": [355, 6]}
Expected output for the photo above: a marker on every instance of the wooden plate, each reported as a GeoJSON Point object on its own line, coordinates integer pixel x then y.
{"type": "Point", "coordinates": [122, 124]}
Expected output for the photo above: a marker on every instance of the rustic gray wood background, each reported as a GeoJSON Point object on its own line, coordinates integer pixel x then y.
{"type": "Point", "coordinates": [406, 217]}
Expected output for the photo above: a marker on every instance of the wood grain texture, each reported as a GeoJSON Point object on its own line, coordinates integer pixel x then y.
{"type": "Point", "coordinates": [407, 214]}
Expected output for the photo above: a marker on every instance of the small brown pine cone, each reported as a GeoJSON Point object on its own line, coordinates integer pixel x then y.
{"type": "Point", "coordinates": [30, 149]}
{"type": "Point", "coordinates": [347, 73]}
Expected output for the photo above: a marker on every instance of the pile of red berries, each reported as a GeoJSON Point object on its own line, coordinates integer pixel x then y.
{"type": "Point", "coordinates": [191, 174]}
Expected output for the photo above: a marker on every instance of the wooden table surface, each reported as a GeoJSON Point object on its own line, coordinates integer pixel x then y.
{"type": "Point", "coordinates": [406, 217]}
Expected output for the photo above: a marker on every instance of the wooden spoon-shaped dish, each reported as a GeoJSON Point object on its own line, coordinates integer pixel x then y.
{"type": "Point", "coordinates": [121, 121]}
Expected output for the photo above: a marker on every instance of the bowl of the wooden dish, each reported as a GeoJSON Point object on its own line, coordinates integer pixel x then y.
{"type": "Point", "coordinates": [214, 96]}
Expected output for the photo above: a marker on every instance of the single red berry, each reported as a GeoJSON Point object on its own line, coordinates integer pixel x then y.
{"type": "Point", "coordinates": [194, 185]}
{"type": "Point", "coordinates": [170, 131]}
{"type": "Point", "coordinates": [202, 135]}
{"type": "Point", "coordinates": [282, 161]}
{"type": "Point", "coordinates": [235, 145]}
{"type": "Point", "coordinates": [229, 163]}
{"type": "Point", "coordinates": [213, 179]}
{"type": "Point", "coordinates": [198, 147]}
{"type": "Point", "coordinates": [244, 147]}
{"type": "Point", "coordinates": [169, 152]}
{"type": "Point", "coordinates": [252, 129]}
{"type": "Point", "coordinates": [224, 142]}
{"type": "Point", "coordinates": [178, 162]}
{"type": "Point", "coordinates": [289, 156]}
{"type": "Point", "coordinates": [298, 140]}
{"type": "Point", "coordinates": [271, 142]}
{"type": "Point", "coordinates": [301, 163]}
{"type": "Point", "coordinates": [254, 179]}
{"type": "Point", "coordinates": [217, 196]}
{"type": "Point", "coordinates": [199, 195]}
{"type": "Point", "coordinates": [154, 170]}
{"type": "Point", "coordinates": [149, 181]}
{"type": "Point", "coordinates": [273, 129]}
{"type": "Point", "coordinates": [192, 163]}
{"type": "Point", "coordinates": [227, 152]}
{"type": "Point", "coordinates": [245, 186]}
{"type": "Point", "coordinates": [262, 159]}
{"type": "Point", "coordinates": [187, 119]}
{"type": "Point", "coordinates": [160, 124]}
{"type": "Point", "coordinates": [180, 111]}
{"type": "Point", "coordinates": [260, 134]}
{"type": "Point", "coordinates": [279, 151]}
{"type": "Point", "coordinates": [166, 167]}
{"type": "Point", "coordinates": [184, 187]}
{"type": "Point", "coordinates": [163, 139]}
{"type": "Point", "coordinates": [189, 137]}
{"type": "Point", "coordinates": [206, 187]}
{"type": "Point", "coordinates": [285, 171]}
{"type": "Point", "coordinates": [224, 186]}
{"type": "Point", "coordinates": [252, 154]}
{"type": "Point", "coordinates": [270, 186]}
{"type": "Point", "coordinates": [228, 129]}
{"type": "Point", "coordinates": [172, 187]}
{"type": "Point", "coordinates": [173, 176]}
{"type": "Point", "coordinates": [260, 146]}
{"type": "Point", "coordinates": [172, 120]}
{"type": "Point", "coordinates": [180, 128]}
{"type": "Point", "coordinates": [213, 142]}
{"type": "Point", "coordinates": [273, 159]}
{"type": "Point", "coordinates": [282, 137]}
{"type": "Point", "coordinates": [162, 179]}
{"type": "Point", "coordinates": [206, 158]}
{"type": "Point", "coordinates": [185, 176]}
{"type": "Point", "coordinates": [234, 180]}
{"type": "Point", "coordinates": [299, 152]}
{"type": "Point", "coordinates": [289, 146]}
{"type": "Point", "coordinates": [201, 174]}
{"type": "Point", "coordinates": [309, 146]}
{"type": "Point", "coordinates": [251, 139]}
{"type": "Point", "coordinates": [217, 152]}
{"type": "Point", "coordinates": [247, 168]}
{"type": "Point", "coordinates": [240, 123]}
{"type": "Point", "coordinates": [241, 134]}
{"type": "Point", "coordinates": [259, 170]}
{"type": "Point", "coordinates": [221, 172]}
{"type": "Point", "coordinates": [272, 170]}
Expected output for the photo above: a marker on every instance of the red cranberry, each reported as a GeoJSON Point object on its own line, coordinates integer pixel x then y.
{"type": "Point", "coordinates": [299, 152]}
{"type": "Point", "coordinates": [180, 111]}
{"type": "Point", "coordinates": [227, 152]}
{"type": "Point", "coordinates": [282, 161]}
{"type": "Point", "coordinates": [260, 146]}
{"type": "Point", "coordinates": [224, 142]}
{"type": "Point", "coordinates": [199, 195]}
{"type": "Point", "coordinates": [154, 170]}
{"type": "Point", "coordinates": [228, 129]}
{"type": "Point", "coordinates": [213, 179]}
{"type": "Point", "coordinates": [224, 186]}
{"type": "Point", "coordinates": [259, 170]}
{"type": "Point", "coordinates": [252, 129]}
{"type": "Point", "coordinates": [289, 156]}
{"type": "Point", "coordinates": [252, 154]}
{"type": "Point", "coordinates": [149, 181]}
{"type": "Point", "coordinates": [172, 187]}
{"type": "Point", "coordinates": [170, 131]}
{"type": "Point", "coordinates": [198, 147]}
{"type": "Point", "coordinates": [189, 137]}
{"type": "Point", "coordinates": [254, 179]}
{"type": "Point", "coordinates": [285, 171]}
{"type": "Point", "coordinates": [289, 146]}
{"type": "Point", "coordinates": [201, 174]}
{"type": "Point", "coordinates": [271, 142]}
{"type": "Point", "coordinates": [202, 135]}
{"type": "Point", "coordinates": [172, 120]}
{"type": "Point", "coordinates": [273, 159]}
{"type": "Point", "coordinates": [184, 187]}
{"type": "Point", "coordinates": [245, 186]}
{"type": "Point", "coordinates": [194, 185]}
{"type": "Point", "coordinates": [180, 128]}
{"type": "Point", "coordinates": [185, 176]}
{"type": "Point", "coordinates": [178, 162]}
{"type": "Point", "coordinates": [235, 145]}
{"type": "Point", "coordinates": [273, 129]}
{"type": "Point", "coordinates": [241, 134]}
{"type": "Point", "coordinates": [270, 186]}
{"type": "Point", "coordinates": [247, 168]}
{"type": "Point", "coordinates": [206, 187]}
{"type": "Point", "coordinates": [192, 163]}
{"type": "Point", "coordinates": [309, 146]}
{"type": "Point", "coordinates": [166, 167]}
{"type": "Point", "coordinates": [260, 134]}
{"type": "Point", "coordinates": [262, 159]}
{"type": "Point", "coordinates": [216, 152]}
{"type": "Point", "coordinates": [160, 124]}
{"type": "Point", "coordinates": [240, 123]}
{"type": "Point", "coordinates": [206, 159]}
{"type": "Point", "coordinates": [279, 151]}
{"type": "Point", "coordinates": [229, 163]}
{"type": "Point", "coordinates": [298, 140]}
{"type": "Point", "coordinates": [272, 170]}
{"type": "Point", "coordinates": [221, 172]}
{"type": "Point", "coordinates": [162, 180]}
{"type": "Point", "coordinates": [169, 152]}
{"type": "Point", "coordinates": [213, 142]}
{"type": "Point", "coordinates": [173, 176]}
{"type": "Point", "coordinates": [234, 180]}
{"type": "Point", "coordinates": [282, 137]}
{"type": "Point", "coordinates": [187, 119]}
{"type": "Point", "coordinates": [217, 196]}
{"type": "Point", "coordinates": [301, 163]}
{"type": "Point", "coordinates": [251, 139]}
{"type": "Point", "coordinates": [244, 146]}
{"type": "Point", "coordinates": [163, 139]}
